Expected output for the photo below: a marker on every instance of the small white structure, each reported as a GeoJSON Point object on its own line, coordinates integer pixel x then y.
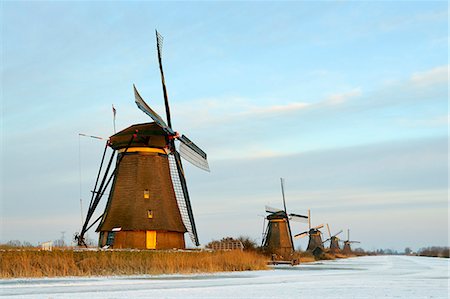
{"type": "Point", "coordinates": [47, 246]}
{"type": "Point", "coordinates": [226, 244]}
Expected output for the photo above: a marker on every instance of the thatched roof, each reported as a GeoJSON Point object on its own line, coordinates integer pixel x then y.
{"type": "Point", "coordinates": [277, 215]}
{"type": "Point", "coordinates": [147, 135]}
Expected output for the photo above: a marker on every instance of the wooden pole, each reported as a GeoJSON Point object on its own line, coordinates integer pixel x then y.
{"type": "Point", "coordinates": [282, 192]}
{"type": "Point", "coordinates": [309, 219]}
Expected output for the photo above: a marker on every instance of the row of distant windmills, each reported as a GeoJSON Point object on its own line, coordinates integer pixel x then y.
{"type": "Point", "coordinates": [277, 237]}
{"type": "Point", "coordinates": [148, 204]}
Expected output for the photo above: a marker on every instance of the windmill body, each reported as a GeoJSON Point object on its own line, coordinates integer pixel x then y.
{"type": "Point", "coordinates": [315, 240]}
{"type": "Point", "coordinates": [334, 241]}
{"type": "Point", "coordinates": [142, 210]}
{"type": "Point", "coordinates": [334, 245]}
{"type": "Point", "coordinates": [148, 205]}
{"type": "Point", "coordinates": [278, 239]}
{"type": "Point", "coordinates": [315, 243]}
{"type": "Point", "coordinates": [347, 249]}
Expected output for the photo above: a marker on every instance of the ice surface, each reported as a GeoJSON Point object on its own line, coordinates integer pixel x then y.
{"type": "Point", "coordinates": [363, 277]}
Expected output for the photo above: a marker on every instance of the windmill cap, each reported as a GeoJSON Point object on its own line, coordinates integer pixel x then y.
{"type": "Point", "coordinates": [277, 215]}
{"type": "Point", "coordinates": [143, 135]}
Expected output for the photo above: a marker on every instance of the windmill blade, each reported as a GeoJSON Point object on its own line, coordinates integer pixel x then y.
{"type": "Point", "coordinates": [309, 219]}
{"type": "Point", "coordinates": [298, 218]}
{"type": "Point", "coordinates": [354, 242]}
{"type": "Point", "coordinates": [282, 193]}
{"type": "Point", "coordinates": [326, 240]}
{"type": "Point", "coordinates": [272, 210]}
{"type": "Point", "coordinates": [192, 153]}
{"type": "Point", "coordinates": [182, 195]}
{"type": "Point", "coordinates": [150, 112]}
{"type": "Point", "coordinates": [318, 227]}
{"type": "Point", "coordinates": [301, 235]}
{"type": "Point", "coordinates": [338, 233]}
{"type": "Point", "coordinates": [329, 231]}
{"type": "Point", "coordinates": [159, 43]}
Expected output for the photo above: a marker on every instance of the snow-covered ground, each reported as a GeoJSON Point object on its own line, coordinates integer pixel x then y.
{"type": "Point", "coordinates": [364, 277]}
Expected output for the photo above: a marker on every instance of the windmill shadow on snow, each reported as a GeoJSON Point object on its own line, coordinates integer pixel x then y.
{"type": "Point", "coordinates": [148, 206]}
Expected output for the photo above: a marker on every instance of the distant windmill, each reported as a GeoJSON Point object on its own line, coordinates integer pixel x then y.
{"type": "Point", "coordinates": [334, 240]}
{"type": "Point", "coordinates": [347, 249]}
{"type": "Point", "coordinates": [148, 206]}
{"type": "Point", "coordinates": [315, 243]}
{"type": "Point", "coordinates": [277, 238]}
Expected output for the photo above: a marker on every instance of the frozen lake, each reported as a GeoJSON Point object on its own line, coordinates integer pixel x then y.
{"type": "Point", "coordinates": [363, 277]}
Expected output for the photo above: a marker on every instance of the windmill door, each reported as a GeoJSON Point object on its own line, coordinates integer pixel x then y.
{"type": "Point", "coordinates": [151, 239]}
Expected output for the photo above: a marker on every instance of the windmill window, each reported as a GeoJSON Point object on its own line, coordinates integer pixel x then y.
{"type": "Point", "coordinates": [110, 238]}
{"type": "Point", "coordinates": [146, 194]}
{"type": "Point", "coordinates": [150, 214]}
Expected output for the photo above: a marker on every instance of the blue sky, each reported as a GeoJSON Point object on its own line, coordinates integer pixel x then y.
{"type": "Point", "coordinates": [348, 101]}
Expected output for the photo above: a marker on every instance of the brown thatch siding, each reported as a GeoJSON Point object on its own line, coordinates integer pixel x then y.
{"type": "Point", "coordinates": [315, 241]}
{"type": "Point", "coordinates": [127, 208]}
{"type": "Point", "coordinates": [334, 245]}
{"type": "Point", "coordinates": [278, 239]}
{"type": "Point", "coordinates": [347, 249]}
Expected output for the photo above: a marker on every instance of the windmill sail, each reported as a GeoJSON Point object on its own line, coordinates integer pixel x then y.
{"type": "Point", "coordinates": [272, 210]}
{"type": "Point", "coordinates": [318, 226]}
{"type": "Point", "coordinates": [298, 218]}
{"type": "Point", "coordinates": [159, 43]}
{"type": "Point", "coordinates": [301, 235]}
{"type": "Point", "coordinates": [338, 233]}
{"type": "Point", "coordinates": [182, 196]}
{"type": "Point", "coordinates": [192, 153]}
{"type": "Point", "coordinates": [150, 112]}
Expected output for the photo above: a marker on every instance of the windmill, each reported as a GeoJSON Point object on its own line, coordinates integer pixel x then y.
{"type": "Point", "coordinates": [148, 206]}
{"type": "Point", "coordinates": [315, 243]}
{"type": "Point", "coordinates": [334, 240]}
{"type": "Point", "coordinates": [277, 237]}
{"type": "Point", "coordinates": [347, 249]}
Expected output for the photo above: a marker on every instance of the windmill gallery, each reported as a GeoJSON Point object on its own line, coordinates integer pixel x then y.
{"type": "Point", "coordinates": [148, 206]}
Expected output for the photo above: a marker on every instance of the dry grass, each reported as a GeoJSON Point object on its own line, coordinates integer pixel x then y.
{"type": "Point", "coordinates": [341, 255]}
{"type": "Point", "coordinates": [31, 263]}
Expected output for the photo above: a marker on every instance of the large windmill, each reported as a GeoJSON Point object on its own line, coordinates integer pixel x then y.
{"type": "Point", "coordinates": [148, 206]}
{"type": "Point", "coordinates": [334, 240]}
{"type": "Point", "coordinates": [278, 237]}
{"type": "Point", "coordinates": [347, 249]}
{"type": "Point", "coordinates": [315, 239]}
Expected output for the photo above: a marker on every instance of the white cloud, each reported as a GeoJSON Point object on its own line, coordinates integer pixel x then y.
{"type": "Point", "coordinates": [340, 98]}
{"type": "Point", "coordinates": [222, 110]}
{"type": "Point", "coordinates": [226, 109]}
{"type": "Point", "coordinates": [290, 107]}
{"type": "Point", "coordinates": [435, 121]}
{"type": "Point", "coordinates": [430, 77]}
{"type": "Point", "coordinates": [407, 21]}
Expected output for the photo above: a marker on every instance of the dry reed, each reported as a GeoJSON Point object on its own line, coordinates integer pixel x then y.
{"type": "Point", "coordinates": [32, 263]}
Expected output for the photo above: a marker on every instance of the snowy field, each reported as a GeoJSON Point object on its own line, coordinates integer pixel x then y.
{"type": "Point", "coordinates": [363, 277]}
